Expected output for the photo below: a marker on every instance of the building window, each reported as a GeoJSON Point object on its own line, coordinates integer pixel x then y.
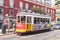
{"type": "Point", "coordinates": [49, 11]}
{"type": "Point", "coordinates": [38, 1]}
{"type": "Point", "coordinates": [42, 8]}
{"type": "Point", "coordinates": [1, 13]}
{"type": "Point", "coordinates": [21, 5]}
{"type": "Point", "coordinates": [37, 6]}
{"type": "Point", "coordinates": [46, 0]}
{"type": "Point", "coordinates": [45, 9]}
{"type": "Point", "coordinates": [1, 10]}
{"type": "Point", "coordinates": [47, 3]}
{"type": "Point", "coordinates": [11, 3]}
{"type": "Point", "coordinates": [1, 2]}
{"type": "Point", "coordinates": [11, 12]}
{"type": "Point", "coordinates": [27, 6]}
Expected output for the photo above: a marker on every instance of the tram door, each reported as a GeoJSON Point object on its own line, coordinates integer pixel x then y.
{"type": "Point", "coordinates": [29, 23]}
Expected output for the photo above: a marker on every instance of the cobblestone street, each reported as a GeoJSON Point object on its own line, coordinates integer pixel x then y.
{"type": "Point", "coordinates": [50, 35]}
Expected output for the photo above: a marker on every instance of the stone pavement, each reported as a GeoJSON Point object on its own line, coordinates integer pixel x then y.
{"type": "Point", "coordinates": [50, 35]}
{"type": "Point", "coordinates": [10, 32]}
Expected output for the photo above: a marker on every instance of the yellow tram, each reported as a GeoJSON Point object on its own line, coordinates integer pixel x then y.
{"type": "Point", "coordinates": [28, 22]}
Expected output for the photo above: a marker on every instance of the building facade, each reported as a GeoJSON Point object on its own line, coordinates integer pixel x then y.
{"type": "Point", "coordinates": [50, 3]}
{"type": "Point", "coordinates": [12, 7]}
{"type": "Point", "coordinates": [57, 13]}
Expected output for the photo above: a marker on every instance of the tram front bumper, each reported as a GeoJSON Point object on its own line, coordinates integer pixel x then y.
{"type": "Point", "coordinates": [21, 31]}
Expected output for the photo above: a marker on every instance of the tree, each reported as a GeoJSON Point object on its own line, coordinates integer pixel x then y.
{"type": "Point", "coordinates": [38, 10]}
{"type": "Point", "coordinates": [58, 2]}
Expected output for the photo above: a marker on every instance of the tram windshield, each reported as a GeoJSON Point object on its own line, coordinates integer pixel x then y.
{"type": "Point", "coordinates": [24, 19]}
{"type": "Point", "coordinates": [21, 19]}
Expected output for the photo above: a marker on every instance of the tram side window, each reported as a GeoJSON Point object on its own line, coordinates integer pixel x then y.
{"type": "Point", "coordinates": [43, 20]}
{"type": "Point", "coordinates": [36, 21]}
{"type": "Point", "coordinates": [47, 20]}
{"type": "Point", "coordinates": [18, 18]}
{"type": "Point", "coordinates": [28, 19]}
{"type": "Point", "coordinates": [23, 19]}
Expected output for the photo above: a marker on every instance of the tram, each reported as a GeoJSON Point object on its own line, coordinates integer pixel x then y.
{"type": "Point", "coordinates": [28, 22]}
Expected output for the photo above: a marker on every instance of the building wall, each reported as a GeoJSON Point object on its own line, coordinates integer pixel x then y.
{"type": "Point", "coordinates": [16, 7]}
{"type": "Point", "coordinates": [50, 3]}
{"type": "Point", "coordinates": [6, 9]}
{"type": "Point", "coordinates": [57, 13]}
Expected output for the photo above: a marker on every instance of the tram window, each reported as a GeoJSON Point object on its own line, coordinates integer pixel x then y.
{"type": "Point", "coordinates": [28, 19]}
{"type": "Point", "coordinates": [47, 20]}
{"type": "Point", "coordinates": [18, 18]}
{"type": "Point", "coordinates": [36, 21]}
{"type": "Point", "coordinates": [23, 19]}
{"type": "Point", "coordinates": [41, 19]}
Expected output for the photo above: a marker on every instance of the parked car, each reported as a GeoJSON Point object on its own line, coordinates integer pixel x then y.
{"type": "Point", "coordinates": [56, 26]}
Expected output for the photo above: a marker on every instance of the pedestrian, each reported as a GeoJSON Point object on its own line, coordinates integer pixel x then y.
{"type": "Point", "coordinates": [4, 26]}
{"type": "Point", "coordinates": [11, 24]}
{"type": "Point", "coordinates": [14, 26]}
{"type": "Point", "coordinates": [46, 24]}
{"type": "Point", "coordinates": [7, 24]}
{"type": "Point", "coordinates": [0, 24]}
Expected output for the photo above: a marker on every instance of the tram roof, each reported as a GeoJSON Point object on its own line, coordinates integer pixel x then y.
{"type": "Point", "coordinates": [31, 14]}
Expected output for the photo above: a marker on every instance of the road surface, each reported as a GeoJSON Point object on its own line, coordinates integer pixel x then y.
{"type": "Point", "coordinates": [50, 35]}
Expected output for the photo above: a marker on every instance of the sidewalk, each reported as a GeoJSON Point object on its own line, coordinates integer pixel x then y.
{"type": "Point", "coordinates": [10, 32]}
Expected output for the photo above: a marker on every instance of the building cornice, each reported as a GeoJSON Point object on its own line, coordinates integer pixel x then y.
{"type": "Point", "coordinates": [39, 4]}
